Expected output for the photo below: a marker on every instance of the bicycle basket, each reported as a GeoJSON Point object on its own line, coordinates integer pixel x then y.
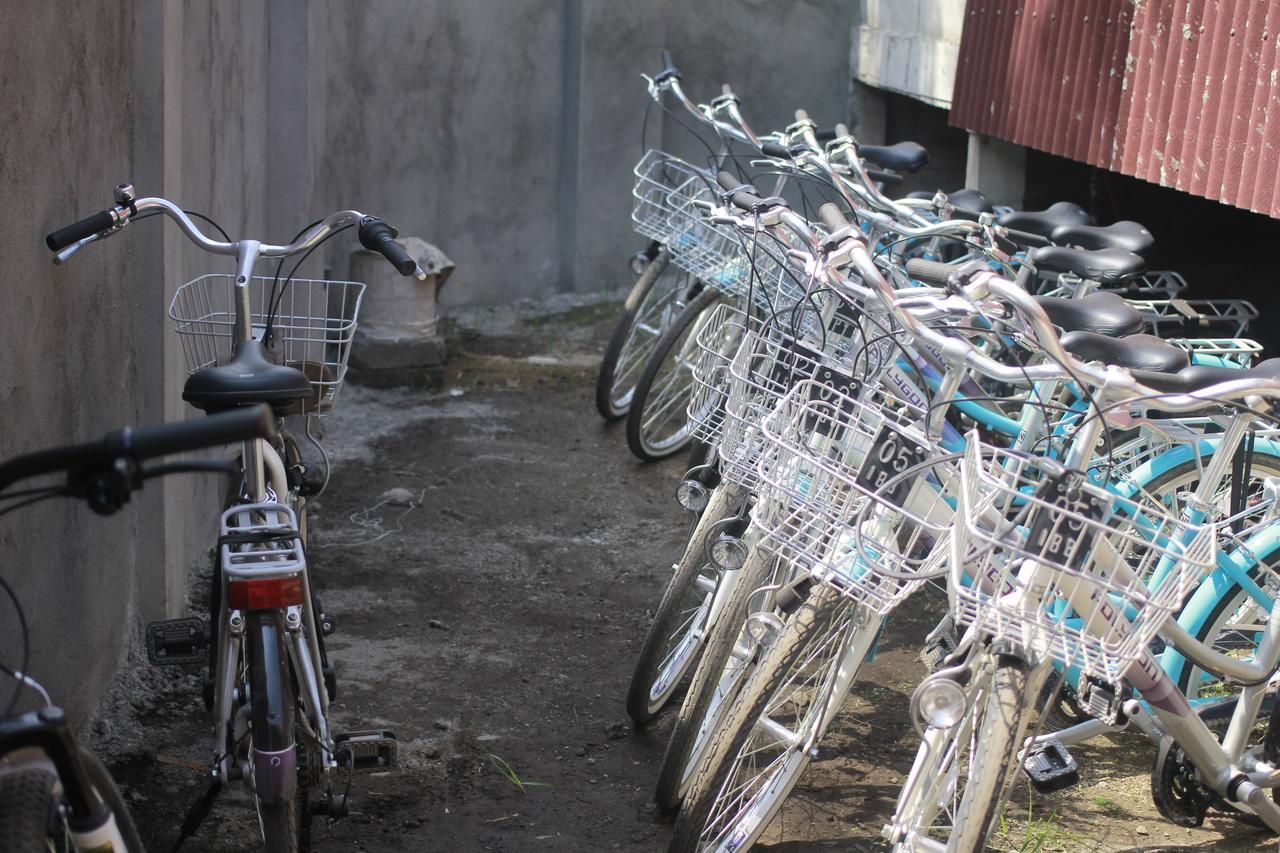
{"type": "Point", "coordinates": [314, 321]}
{"type": "Point", "coordinates": [740, 266]}
{"type": "Point", "coordinates": [717, 341]}
{"type": "Point", "coordinates": [769, 362]}
{"type": "Point", "coordinates": [822, 505]}
{"type": "Point", "coordinates": [1063, 568]}
{"type": "Point", "coordinates": [663, 195]}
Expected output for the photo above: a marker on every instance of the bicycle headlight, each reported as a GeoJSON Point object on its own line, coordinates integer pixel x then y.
{"type": "Point", "coordinates": [939, 703]}
{"type": "Point", "coordinates": [728, 553]}
{"type": "Point", "coordinates": [765, 628]}
{"type": "Point", "coordinates": [692, 495]}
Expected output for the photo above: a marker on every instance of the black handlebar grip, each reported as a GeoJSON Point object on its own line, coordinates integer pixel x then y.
{"type": "Point", "coordinates": [668, 66]}
{"type": "Point", "coordinates": [964, 213]}
{"type": "Point", "coordinates": [832, 217]}
{"type": "Point", "coordinates": [773, 149]}
{"type": "Point", "coordinates": [138, 444]}
{"type": "Point", "coordinates": [930, 272]}
{"type": "Point", "coordinates": [86, 227]}
{"type": "Point", "coordinates": [1006, 245]}
{"type": "Point", "coordinates": [891, 179]}
{"type": "Point", "coordinates": [224, 428]}
{"type": "Point", "coordinates": [747, 199]}
{"type": "Point", "coordinates": [825, 134]}
{"type": "Point", "coordinates": [378, 236]}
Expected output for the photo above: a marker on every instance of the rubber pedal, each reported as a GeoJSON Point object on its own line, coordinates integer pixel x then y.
{"type": "Point", "coordinates": [367, 751]}
{"type": "Point", "coordinates": [1050, 767]}
{"type": "Point", "coordinates": [935, 653]}
{"type": "Point", "coordinates": [174, 642]}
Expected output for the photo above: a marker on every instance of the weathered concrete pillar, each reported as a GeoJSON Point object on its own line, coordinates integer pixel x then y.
{"type": "Point", "coordinates": [868, 110]}
{"type": "Point", "coordinates": [397, 341]}
{"type": "Point", "coordinates": [997, 168]}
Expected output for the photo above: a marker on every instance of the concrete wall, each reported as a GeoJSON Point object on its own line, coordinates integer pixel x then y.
{"type": "Point", "coordinates": [68, 348]}
{"type": "Point", "coordinates": [505, 133]}
{"type": "Point", "coordinates": [909, 47]}
{"type": "Point", "coordinates": [508, 139]}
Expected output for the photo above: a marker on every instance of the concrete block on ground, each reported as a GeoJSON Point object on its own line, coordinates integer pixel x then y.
{"type": "Point", "coordinates": [397, 341]}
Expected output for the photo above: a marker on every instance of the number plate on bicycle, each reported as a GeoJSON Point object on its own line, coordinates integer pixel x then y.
{"type": "Point", "coordinates": [1063, 531]}
{"type": "Point", "coordinates": [794, 362]}
{"type": "Point", "coordinates": [891, 453]}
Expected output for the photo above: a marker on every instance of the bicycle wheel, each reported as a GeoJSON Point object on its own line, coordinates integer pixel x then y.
{"type": "Point", "coordinates": [960, 776]}
{"type": "Point", "coordinates": [678, 629]}
{"type": "Point", "coordinates": [790, 699]}
{"type": "Point", "coordinates": [1235, 621]}
{"type": "Point", "coordinates": [279, 795]}
{"type": "Point", "coordinates": [1233, 626]}
{"type": "Point", "coordinates": [26, 809]}
{"type": "Point", "coordinates": [655, 300]}
{"type": "Point", "coordinates": [658, 423]}
{"type": "Point", "coordinates": [724, 663]}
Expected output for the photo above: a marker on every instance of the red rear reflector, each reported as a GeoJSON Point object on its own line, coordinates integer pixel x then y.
{"type": "Point", "coordinates": [265, 593]}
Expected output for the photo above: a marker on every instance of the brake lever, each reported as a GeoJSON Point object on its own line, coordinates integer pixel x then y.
{"type": "Point", "coordinates": [62, 256]}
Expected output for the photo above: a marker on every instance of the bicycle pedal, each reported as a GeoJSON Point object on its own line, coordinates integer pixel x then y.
{"type": "Point", "coordinates": [1050, 767]}
{"type": "Point", "coordinates": [365, 751]}
{"type": "Point", "coordinates": [936, 651]}
{"type": "Point", "coordinates": [1100, 700]}
{"type": "Point", "coordinates": [177, 641]}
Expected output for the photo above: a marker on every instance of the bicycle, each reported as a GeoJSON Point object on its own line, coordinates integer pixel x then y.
{"type": "Point", "coordinates": [53, 791]}
{"type": "Point", "coordinates": [772, 669]}
{"type": "Point", "coordinates": [282, 341]}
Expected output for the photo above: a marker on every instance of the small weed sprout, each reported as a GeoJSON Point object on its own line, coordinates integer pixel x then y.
{"type": "Point", "coordinates": [507, 772]}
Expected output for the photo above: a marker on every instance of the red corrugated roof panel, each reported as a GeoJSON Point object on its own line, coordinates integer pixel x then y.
{"type": "Point", "coordinates": [1184, 94]}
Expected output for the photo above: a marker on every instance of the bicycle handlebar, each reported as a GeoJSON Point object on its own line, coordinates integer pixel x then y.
{"type": "Point", "coordinates": [973, 283]}
{"type": "Point", "coordinates": [142, 443]}
{"type": "Point", "coordinates": [87, 227]}
{"type": "Point", "coordinates": [743, 196]}
{"type": "Point", "coordinates": [669, 70]}
{"type": "Point", "coordinates": [66, 241]}
{"type": "Point", "coordinates": [378, 236]}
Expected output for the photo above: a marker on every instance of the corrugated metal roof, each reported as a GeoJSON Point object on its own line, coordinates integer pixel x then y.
{"type": "Point", "coordinates": [1179, 92]}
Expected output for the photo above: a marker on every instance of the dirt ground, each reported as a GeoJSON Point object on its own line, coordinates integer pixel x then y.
{"type": "Point", "coordinates": [493, 621]}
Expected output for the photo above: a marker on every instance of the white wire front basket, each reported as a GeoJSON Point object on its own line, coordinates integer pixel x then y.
{"type": "Point", "coordinates": [307, 324]}
{"type": "Point", "coordinates": [663, 196]}
{"type": "Point", "coordinates": [717, 340]}
{"type": "Point", "coordinates": [1065, 569]}
{"type": "Point", "coordinates": [847, 494]}
{"type": "Point", "coordinates": [829, 348]}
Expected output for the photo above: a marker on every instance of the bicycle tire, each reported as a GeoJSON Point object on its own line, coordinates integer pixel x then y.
{"type": "Point", "coordinates": [612, 401]}
{"type": "Point", "coordinates": [107, 789]}
{"type": "Point", "coordinates": [710, 674]}
{"type": "Point", "coordinates": [1001, 734]}
{"type": "Point", "coordinates": [825, 624]}
{"type": "Point", "coordinates": [1188, 677]}
{"type": "Point", "coordinates": [672, 342]}
{"type": "Point", "coordinates": [26, 806]}
{"type": "Point", "coordinates": [642, 704]}
{"type": "Point", "coordinates": [284, 821]}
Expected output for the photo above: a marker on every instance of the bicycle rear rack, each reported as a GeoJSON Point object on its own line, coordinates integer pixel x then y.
{"type": "Point", "coordinates": [1196, 318]}
{"type": "Point", "coordinates": [260, 541]}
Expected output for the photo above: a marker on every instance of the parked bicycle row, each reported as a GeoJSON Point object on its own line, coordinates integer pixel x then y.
{"type": "Point", "coordinates": [885, 395]}
{"type": "Point", "coordinates": [263, 353]}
